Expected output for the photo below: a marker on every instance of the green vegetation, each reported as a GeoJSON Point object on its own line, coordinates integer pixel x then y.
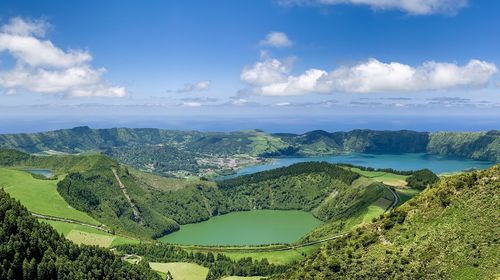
{"type": "Point", "coordinates": [299, 187]}
{"type": "Point", "coordinates": [273, 257]}
{"type": "Point", "coordinates": [80, 234]}
{"type": "Point", "coordinates": [330, 192]}
{"type": "Point", "coordinates": [39, 196]}
{"type": "Point", "coordinates": [33, 250]}
{"type": "Point", "coordinates": [350, 208]}
{"type": "Point", "coordinates": [97, 192]}
{"type": "Point", "coordinates": [219, 264]}
{"type": "Point", "coordinates": [386, 177]}
{"type": "Point", "coordinates": [421, 179]}
{"type": "Point", "coordinates": [474, 145]}
{"type": "Point", "coordinates": [446, 232]}
{"type": "Point", "coordinates": [242, 278]}
{"type": "Point", "coordinates": [181, 270]}
{"type": "Point", "coordinates": [169, 152]}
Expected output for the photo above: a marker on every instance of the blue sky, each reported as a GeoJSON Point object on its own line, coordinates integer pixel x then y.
{"type": "Point", "coordinates": [294, 64]}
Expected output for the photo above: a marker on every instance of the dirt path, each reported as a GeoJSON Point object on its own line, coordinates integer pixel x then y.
{"type": "Point", "coordinates": [71, 221]}
{"type": "Point", "coordinates": [134, 208]}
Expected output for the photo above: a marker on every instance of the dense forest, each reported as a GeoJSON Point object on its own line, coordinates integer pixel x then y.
{"type": "Point", "coordinates": [30, 250]}
{"type": "Point", "coordinates": [449, 231]}
{"type": "Point", "coordinates": [167, 151]}
{"type": "Point", "coordinates": [421, 179]}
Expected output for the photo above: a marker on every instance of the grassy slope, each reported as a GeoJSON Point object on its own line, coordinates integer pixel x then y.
{"type": "Point", "coordinates": [39, 196]}
{"type": "Point", "coordinates": [450, 231]}
{"type": "Point", "coordinates": [182, 271]}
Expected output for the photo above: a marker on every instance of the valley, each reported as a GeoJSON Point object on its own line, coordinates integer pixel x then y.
{"type": "Point", "coordinates": [266, 216]}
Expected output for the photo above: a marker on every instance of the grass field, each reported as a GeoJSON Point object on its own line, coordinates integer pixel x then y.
{"type": "Point", "coordinates": [39, 196]}
{"type": "Point", "coordinates": [181, 270]}
{"type": "Point", "coordinates": [86, 235]}
{"type": "Point", "coordinates": [387, 178]}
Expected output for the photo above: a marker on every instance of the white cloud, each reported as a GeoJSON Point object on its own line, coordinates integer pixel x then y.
{"type": "Point", "coordinates": [277, 40]}
{"type": "Point", "coordinates": [192, 104]}
{"type": "Point", "coordinates": [42, 67]}
{"type": "Point", "coordinates": [271, 77]}
{"type": "Point", "coordinates": [25, 27]}
{"type": "Point", "coordinates": [414, 7]}
{"type": "Point", "coordinates": [190, 87]}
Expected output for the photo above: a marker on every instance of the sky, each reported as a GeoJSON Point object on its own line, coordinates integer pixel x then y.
{"type": "Point", "coordinates": [277, 65]}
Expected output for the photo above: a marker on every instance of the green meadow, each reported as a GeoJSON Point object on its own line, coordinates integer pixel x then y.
{"type": "Point", "coordinates": [39, 196]}
{"type": "Point", "coordinates": [387, 178]}
{"type": "Point", "coordinates": [181, 270]}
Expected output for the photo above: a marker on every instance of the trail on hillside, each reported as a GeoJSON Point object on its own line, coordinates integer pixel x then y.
{"type": "Point", "coordinates": [71, 221]}
{"type": "Point", "coordinates": [134, 208]}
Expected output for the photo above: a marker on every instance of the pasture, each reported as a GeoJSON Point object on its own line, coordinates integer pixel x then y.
{"type": "Point", "coordinates": [181, 270]}
{"type": "Point", "coordinates": [387, 178]}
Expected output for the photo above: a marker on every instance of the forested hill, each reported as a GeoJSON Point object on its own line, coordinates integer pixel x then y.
{"type": "Point", "coordinates": [449, 231]}
{"type": "Point", "coordinates": [30, 249]}
{"type": "Point", "coordinates": [188, 144]}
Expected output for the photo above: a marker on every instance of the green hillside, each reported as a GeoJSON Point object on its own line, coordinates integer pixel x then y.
{"type": "Point", "coordinates": [154, 206]}
{"type": "Point", "coordinates": [33, 250]}
{"type": "Point", "coordinates": [450, 231]}
{"type": "Point", "coordinates": [475, 145]}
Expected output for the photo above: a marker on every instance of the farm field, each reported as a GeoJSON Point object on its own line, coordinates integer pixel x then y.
{"type": "Point", "coordinates": [387, 178]}
{"type": "Point", "coordinates": [181, 270]}
{"type": "Point", "coordinates": [85, 235]}
{"type": "Point", "coordinates": [39, 196]}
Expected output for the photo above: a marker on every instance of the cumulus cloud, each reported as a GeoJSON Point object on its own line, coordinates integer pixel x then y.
{"type": "Point", "coordinates": [413, 7]}
{"type": "Point", "coordinates": [190, 87]}
{"type": "Point", "coordinates": [272, 77]}
{"type": "Point", "coordinates": [41, 67]}
{"type": "Point", "coordinates": [277, 40]}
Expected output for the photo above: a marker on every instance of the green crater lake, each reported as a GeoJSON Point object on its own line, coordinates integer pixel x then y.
{"type": "Point", "coordinates": [254, 227]}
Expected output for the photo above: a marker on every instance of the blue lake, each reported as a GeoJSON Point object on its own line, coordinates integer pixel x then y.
{"type": "Point", "coordinates": [412, 161]}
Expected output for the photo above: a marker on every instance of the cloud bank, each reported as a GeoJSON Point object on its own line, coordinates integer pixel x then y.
{"type": "Point", "coordinates": [42, 67]}
{"type": "Point", "coordinates": [413, 7]}
{"type": "Point", "coordinates": [272, 77]}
